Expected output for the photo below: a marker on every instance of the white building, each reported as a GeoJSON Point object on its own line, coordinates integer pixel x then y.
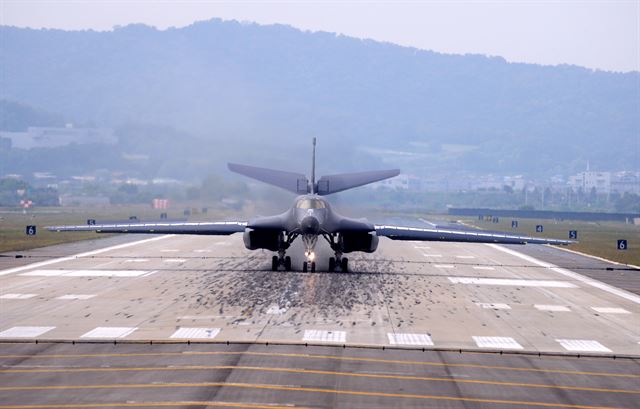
{"type": "Point", "coordinates": [588, 180]}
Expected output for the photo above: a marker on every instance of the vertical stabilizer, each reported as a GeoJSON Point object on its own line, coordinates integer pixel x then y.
{"type": "Point", "coordinates": [313, 168]}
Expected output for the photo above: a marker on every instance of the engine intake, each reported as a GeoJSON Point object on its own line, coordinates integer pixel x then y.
{"type": "Point", "coordinates": [359, 241]}
{"type": "Point", "coordinates": [261, 239]}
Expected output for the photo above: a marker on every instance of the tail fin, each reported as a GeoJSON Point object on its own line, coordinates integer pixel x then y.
{"type": "Point", "coordinates": [313, 168]}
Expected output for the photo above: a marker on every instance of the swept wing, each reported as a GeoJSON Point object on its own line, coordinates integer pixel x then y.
{"type": "Point", "coordinates": [203, 228]}
{"type": "Point", "coordinates": [468, 236]}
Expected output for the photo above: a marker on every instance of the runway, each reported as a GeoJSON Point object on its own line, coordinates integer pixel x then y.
{"type": "Point", "coordinates": [442, 307]}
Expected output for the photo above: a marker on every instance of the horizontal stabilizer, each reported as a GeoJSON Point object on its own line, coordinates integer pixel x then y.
{"type": "Point", "coordinates": [293, 182]}
{"type": "Point", "coordinates": [337, 183]}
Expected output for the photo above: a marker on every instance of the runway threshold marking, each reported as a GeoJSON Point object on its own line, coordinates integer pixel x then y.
{"type": "Point", "coordinates": [195, 333]}
{"type": "Point", "coordinates": [313, 372]}
{"type": "Point", "coordinates": [89, 273]}
{"type": "Point", "coordinates": [579, 277]}
{"type": "Point", "coordinates": [305, 389]}
{"type": "Point", "coordinates": [496, 342]}
{"type": "Point", "coordinates": [582, 345]}
{"type": "Point", "coordinates": [327, 357]}
{"type": "Point", "coordinates": [610, 310]}
{"type": "Point", "coordinates": [81, 255]}
{"type": "Point", "coordinates": [553, 308]}
{"type": "Point", "coordinates": [410, 339]}
{"type": "Point", "coordinates": [109, 332]}
{"type": "Point", "coordinates": [315, 335]}
{"type": "Point", "coordinates": [152, 404]}
{"type": "Point", "coordinates": [24, 332]}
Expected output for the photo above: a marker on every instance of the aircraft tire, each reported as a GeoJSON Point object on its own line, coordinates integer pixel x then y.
{"type": "Point", "coordinates": [287, 263]}
{"type": "Point", "coordinates": [274, 263]}
{"type": "Point", "coordinates": [344, 264]}
{"type": "Point", "coordinates": [304, 267]}
{"type": "Point", "coordinates": [332, 264]}
{"type": "Point", "coordinates": [313, 266]}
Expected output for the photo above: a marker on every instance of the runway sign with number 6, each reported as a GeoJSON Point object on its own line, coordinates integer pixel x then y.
{"type": "Point", "coordinates": [622, 244]}
{"type": "Point", "coordinates": [31, 230]}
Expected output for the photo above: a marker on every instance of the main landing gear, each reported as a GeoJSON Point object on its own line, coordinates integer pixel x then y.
{"type": "Point", "coordinates": [338, 262]}
{"type": "Point", "coordinates": [281, 260]}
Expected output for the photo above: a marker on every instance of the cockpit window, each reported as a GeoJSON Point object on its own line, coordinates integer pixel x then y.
{"type": "Point", "coordinates": [310, 204]}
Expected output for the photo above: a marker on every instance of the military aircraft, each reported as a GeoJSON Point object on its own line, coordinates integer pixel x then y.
{"type": "Point", "coordinates": [311, 217]}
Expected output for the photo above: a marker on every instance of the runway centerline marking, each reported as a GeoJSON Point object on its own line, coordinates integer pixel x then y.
{"type": "Point", "coordinates": [174, 260]}
{"type": "Point", "coordinates": [316, 372]}
{"type": "Point", "coordinates": [88, 273]}
{"type": "Point", "coordinates": [302, 389]}
{"type": "Point", "coordinates": [496, 342]}
{"type": "Point", "coordinates": [610, 310]}
{"type": "Point", "coordinates": [432, 255]}
{"type": "Point", "coordinates": [81, 255]}
{"type": "Point", "coordinates": [554, 308]}
{"type": "Point", "coordinates": [493, 306]}
{"type": "Point", "coordinates": [75, 297]}
{"type": "Point", "coordinates": [444, 266]}
{"type": "Point", "coordinates": [24, 332]}
{"type": "Point", "coordinates": [327, 357]}
{"type": "Point", "coordinates": [512, 282]}
{"type": "Point", "coordinates": [579, 277]}
{"type": "Point", "coordinates": [17, 296]}
{"type": "Point", "coordinates": [109, 332]}
{"type": "Point", "coordinates": [483, 268]}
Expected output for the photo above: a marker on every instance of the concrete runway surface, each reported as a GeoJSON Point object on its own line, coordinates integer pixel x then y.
{"type": "Point", "coordinates": [422, 302]}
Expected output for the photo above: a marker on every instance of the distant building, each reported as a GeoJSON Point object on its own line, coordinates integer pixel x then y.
{"type": "Point", "coordinates": [588, 180]}
{"type": "Point", "coordinates": [47, 137]}
{"type": "Point", "coordinates": [625, 182]}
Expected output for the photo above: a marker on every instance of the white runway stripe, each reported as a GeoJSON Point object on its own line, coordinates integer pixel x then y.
{"type": "Point", "coordinates": [109, 332]}
{"type": "Point", "coordinates": [24, 332]}
{"type": "Point", "coordinates": [196, 333]}
{"type": "Point", "coordinates": [466, 257]}
{"type": "Point", "coordinates": [511, 281]}
{"type": "Point", "coordinates": [444, 266]}
{"type": "Point", "coordinates": [17, 296]}
{"type": "Point", "coordinates": [88, 273]}
{"type": "Point", "coordinates": [422, 247]}
{"type": "Point", "coordinates": [76, 297]}
{"type": "Point", "coordinates": [610, 310]}
{"type": "Point", "coordinates": [554, 308]}
{"type": "Point", "coordinates": [432, 255]}
{"type": "Point", "coordinates": [174, 260]}
{"type": "Point", "coordinates": [582, 345]}
{"type": "Point", "coordinates": [410, 339]}
{"type": "Point", "coordinates": [169, 250]}
{"type": "Point", "coordinates": [493, 306]}
{"type": "Point", "coordinates": [137, 260]}
{"type": "Point", "coordinates": [483, 268]}
{"type": "Point", "coordinates": [315, 335]}
{"type": "Point", "coordinates": [80, 255]}
{"type": "Point", "coordinates": [202, 251]}
{"type": "Point", "coordinates": [575, 276]}
{"type": "Point", "coordinates": [497, 342]}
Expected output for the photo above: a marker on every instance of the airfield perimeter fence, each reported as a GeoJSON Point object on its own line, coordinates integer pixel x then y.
{"type": "Point", "coordinates": [546, 214]}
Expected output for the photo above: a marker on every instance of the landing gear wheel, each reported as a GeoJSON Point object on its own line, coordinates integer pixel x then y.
{"type": "Point", "coordinates": [344, 264]}
{"type": "Point", "coordinates": [274, 263]}
{"type": "Point", "coordinates": [332, 264]}
{"type": "Point", "coordinates": [304, 267]}
{"type": "Point", "coordinates": [287, 263]}
{"type": "Point", "coordinates": [313, 266]}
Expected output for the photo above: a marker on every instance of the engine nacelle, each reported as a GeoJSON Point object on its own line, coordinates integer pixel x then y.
{"type": "Point", "coordinates": [360, 241]}
{"type": "Point", "coordinates": [261, 239]}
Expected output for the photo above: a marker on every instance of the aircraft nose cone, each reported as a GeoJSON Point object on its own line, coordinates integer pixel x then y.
{"type": "Point", "coordinates": [310, 225]}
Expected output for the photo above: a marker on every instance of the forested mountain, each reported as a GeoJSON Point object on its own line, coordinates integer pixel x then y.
{"type": "Point", "coordinates": [253, 92]}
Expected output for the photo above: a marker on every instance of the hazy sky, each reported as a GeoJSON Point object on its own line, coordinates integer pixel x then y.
{"type": "Point", "coordinates": [591, 33]}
